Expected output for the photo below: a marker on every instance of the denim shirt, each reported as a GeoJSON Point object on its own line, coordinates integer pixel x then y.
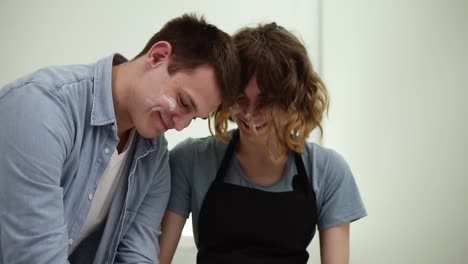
{"type": "Point", "coordinates": [57, 134]}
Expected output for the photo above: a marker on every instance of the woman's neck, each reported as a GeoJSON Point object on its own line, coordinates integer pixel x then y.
{"type": "Point", "coordinates": [258, 163]}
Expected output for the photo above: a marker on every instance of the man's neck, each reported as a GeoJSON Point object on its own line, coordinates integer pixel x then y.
{"type": "Point", "coordinates": [123, 139]}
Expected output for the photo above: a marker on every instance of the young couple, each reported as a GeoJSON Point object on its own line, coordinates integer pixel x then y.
{"type": "Point", "coordinates": [86, 177]}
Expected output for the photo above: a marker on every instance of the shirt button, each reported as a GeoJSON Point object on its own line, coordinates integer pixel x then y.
{"type": "Point", "coordinates": [113, 128]}
{"type": "Point", "coordinates": [90, 196]}
{"type": "Point", "coordinates": [70, 241]}
{"type": "Point", "coordinates": [107, 150]}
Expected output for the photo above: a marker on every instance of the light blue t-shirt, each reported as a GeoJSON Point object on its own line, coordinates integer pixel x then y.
{"type": "Point", "coordinates": [195, 162]}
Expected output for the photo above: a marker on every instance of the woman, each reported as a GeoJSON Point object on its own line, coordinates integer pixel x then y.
{"type": "Point", "coordinates": [259, 197]}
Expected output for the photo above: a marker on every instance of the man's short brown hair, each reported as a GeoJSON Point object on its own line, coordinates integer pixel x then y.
{"type": "Point", "coordinates": [194, 43]}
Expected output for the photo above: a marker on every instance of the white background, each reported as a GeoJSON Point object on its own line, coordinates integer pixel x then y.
{"type": "Point", "coordinates": [396, 72]}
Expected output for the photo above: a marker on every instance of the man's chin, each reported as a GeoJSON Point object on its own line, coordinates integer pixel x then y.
{"type": "Point", "coordinates": [149, 134]}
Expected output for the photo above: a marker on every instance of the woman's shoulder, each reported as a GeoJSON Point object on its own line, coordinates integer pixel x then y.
{"type": "Point", "coordinates": [327, 167]}
{"type": "Point", "coordinates": [209, 145]}
{"type": "Point", "coordinates": [324, 157]}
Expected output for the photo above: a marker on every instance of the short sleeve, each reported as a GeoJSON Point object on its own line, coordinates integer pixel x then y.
{"type": "Point", "coordinates": [340, 198]}
{"type": "Point", "coordinates": [181, 163]}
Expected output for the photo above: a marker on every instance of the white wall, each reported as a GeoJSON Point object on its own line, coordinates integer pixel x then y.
{"type": "Point", "coordinates": [35, 34]}
{"type": "Point", "coordinates": [395, 71]}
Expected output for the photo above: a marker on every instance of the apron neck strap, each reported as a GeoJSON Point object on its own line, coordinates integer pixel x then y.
{"type": "Point", "coordinates": [300, 179]}
{"type": "Point", "coordinates": [228, 155]}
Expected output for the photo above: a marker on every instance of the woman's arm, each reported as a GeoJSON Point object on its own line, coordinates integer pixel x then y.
{"type": "Point", "coordinates": [171, 230]}
{"type": "Point", "coordinates": [334, 244]}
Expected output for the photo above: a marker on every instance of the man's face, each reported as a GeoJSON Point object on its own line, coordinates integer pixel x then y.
{"type": "Point", "coordinates": [161, 101]}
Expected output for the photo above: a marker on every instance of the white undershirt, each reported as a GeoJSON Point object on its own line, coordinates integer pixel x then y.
{"type": "Point", "coordinates": [104, 193]}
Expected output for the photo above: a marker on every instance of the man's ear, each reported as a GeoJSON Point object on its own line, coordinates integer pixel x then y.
{"type": "Point", "coordinates": [159, 52]}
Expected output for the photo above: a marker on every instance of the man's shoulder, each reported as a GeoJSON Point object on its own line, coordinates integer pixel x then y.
{"type": "Point", "coordinates": [53, 79]}
{"type": "Point", "coordinates": [57, 76]}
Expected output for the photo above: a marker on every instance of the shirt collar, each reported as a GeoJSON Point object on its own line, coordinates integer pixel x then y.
{"type": "Point", "coordinates": [102, 111]}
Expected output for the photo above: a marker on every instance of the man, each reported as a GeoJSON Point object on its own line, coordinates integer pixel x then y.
{"type": "Point", "coordinates": [84, 174]}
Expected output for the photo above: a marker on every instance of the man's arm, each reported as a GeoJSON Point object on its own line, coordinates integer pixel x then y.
{"type": "Point", "coordinates": [33, 140]}
{"type": "Point", "coordinates": [140, 243]}
{"type": "Point", "coordinates": [172, 226]}
{"type": "Point", "coordinates": [334, 244]}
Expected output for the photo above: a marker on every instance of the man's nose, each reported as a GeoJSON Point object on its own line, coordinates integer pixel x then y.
{"type": "Point", "coordinates": [181, 122]}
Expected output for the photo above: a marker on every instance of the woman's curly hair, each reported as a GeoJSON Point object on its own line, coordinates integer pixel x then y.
{"type": "Point", "coordinates": [292, 94]}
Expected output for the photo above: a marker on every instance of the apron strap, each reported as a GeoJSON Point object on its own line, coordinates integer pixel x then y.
{"type": "Point", "coordinates": [301, 179]}
{"type": "Point", "coordinates": [227, 156]}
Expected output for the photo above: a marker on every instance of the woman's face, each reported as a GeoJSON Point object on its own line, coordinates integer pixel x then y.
{"type": "Point", "coordinates": [249, 119]}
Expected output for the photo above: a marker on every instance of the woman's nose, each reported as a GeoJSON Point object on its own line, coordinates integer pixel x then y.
{"type": "Point", "coordinates": [249, 110]}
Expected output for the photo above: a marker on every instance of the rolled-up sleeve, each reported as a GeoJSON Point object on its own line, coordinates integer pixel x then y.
{"type": "Point", "coordinates": [34, 135]}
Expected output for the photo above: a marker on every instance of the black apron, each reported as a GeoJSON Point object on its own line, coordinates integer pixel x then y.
{"type": "Point", "coordinates": [243, 225]}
